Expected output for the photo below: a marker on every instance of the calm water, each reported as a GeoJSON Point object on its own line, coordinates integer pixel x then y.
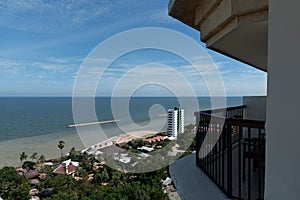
{"type": "Point", "coordinates": [35, 124]}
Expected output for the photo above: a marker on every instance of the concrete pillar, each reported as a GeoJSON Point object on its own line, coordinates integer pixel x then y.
{"type": "Point", "coordinates": [283, 102]}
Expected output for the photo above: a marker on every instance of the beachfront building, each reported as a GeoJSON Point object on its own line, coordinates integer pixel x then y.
{"type": "Point", "coordinates": [262, 163]}
{"type": "Point", "coordinates": [172, 122]}
{"type": "Point", "coordinates": [175, 121]}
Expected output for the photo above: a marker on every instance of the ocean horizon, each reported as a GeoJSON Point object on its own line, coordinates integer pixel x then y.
{"type": "Point", "coordinates": [36, 124]}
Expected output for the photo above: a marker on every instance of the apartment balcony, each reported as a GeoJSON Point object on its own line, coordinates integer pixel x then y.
{"type": "Point", "coordinates": [230, 152]}
{"type": "Point", "coordinates": [236, 28]}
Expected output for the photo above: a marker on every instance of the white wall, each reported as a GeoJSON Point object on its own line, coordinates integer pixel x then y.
{"type": "Point", "coordinates": [256, 107]}
{"type": "Point", "coordinates": [283, 102]}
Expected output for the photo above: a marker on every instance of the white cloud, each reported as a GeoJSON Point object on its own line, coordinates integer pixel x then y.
{"type": "Point", "coordinates": [55, 16]}
{"type": "Point", "coordinates": [60, 65]}
{"type": "Point", "coordinates": [41, 16]}
{"type": "Point", "coordinates": [64, 59]}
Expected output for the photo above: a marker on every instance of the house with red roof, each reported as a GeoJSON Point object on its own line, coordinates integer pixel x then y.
{"type": "Point", "coordinates": [67, 167]}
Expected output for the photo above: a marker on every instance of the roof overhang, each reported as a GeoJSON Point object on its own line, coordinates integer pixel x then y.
{"type": "Point", "coordinates": [236, 28]}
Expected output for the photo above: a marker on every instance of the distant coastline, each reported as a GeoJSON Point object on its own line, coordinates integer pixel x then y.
{"type": "Point", "coordinates": [36, 124]}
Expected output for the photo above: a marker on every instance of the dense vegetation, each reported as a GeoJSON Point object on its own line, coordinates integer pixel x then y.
{"type": "Point", "coordinates": [12, 185]}
{"type": "Point", "coordinates": [107, 183]}
{"type": "Point", "coordinates": [94, 180]}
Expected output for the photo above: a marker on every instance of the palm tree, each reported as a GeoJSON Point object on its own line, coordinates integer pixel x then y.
{"type": "Point", "coordinates": [42, 159]}
{"type": "Point", "coordinates": [23, 156]}
{"type": "Point", "coordinates": [61, 145]}
{"type": "Point", "coordinates": [33, 157]}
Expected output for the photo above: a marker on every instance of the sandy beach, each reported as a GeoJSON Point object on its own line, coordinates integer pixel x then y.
{"type": "Point", "coordinates": [134, 135]}
{"type": "Point", "coordinates": [123, 138]}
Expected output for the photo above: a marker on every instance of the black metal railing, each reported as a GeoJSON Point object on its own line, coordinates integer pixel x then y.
{"type": "Point", "coordinates": [230, 112]}
{"type": "Point", "coordinates": [230, 150]}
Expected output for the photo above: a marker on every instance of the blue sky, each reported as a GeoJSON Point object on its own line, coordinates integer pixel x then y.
{"type": "Point", "coordinates": [43, 43]}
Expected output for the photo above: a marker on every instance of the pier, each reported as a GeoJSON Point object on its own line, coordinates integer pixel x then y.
{"type": "Point", "coordinates": [92, 123]}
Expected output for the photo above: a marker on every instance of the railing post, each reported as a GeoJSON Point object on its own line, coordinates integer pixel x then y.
{"type": "Point", "coordinates": [198, 143]}
{"type": "Point", "coordinates": [229, 160]}
{"type": "Point", "coordinates": [249, 163]}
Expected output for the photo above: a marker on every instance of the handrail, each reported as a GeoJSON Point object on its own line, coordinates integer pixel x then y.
{"type": "Point", "coordinates": [223, 159]}
{"type": "Point", "coordinates": [208, 115]}
{"type": "Point", "coordinates": [246, 123]}
{"type": "Point", "coordinates": [227, 109]}
{"type": "Point", "coordinates": [218, 110]}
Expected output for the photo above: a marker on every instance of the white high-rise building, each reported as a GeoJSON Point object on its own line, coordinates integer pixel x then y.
{"type": "Point", "coordinates": [172, 122]}
{"type": "Point", "coordinates": [175, 121]}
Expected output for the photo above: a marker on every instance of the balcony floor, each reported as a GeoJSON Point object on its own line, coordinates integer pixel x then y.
{"type": "Point", "coordinates": [191, 182]}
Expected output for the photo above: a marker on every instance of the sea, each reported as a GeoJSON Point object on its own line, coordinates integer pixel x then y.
{"type": "Point", "coordinates": [36, 124]}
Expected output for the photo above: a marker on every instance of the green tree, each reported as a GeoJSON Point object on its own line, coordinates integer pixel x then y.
{"type": "Point", "coordinates": [12, 185]}
{"type": "Point", "coordinates": [28, 163]}
{"type": "Point", "coordinates": [33, 157]}
{"type": "Point", "coordinates": [23, 156]}
{"type": "Point", "coordinates": [21, 191]}
{"type": "Point", "coordinates": [116, 178]}
{"type": "Point", "coordinates": [63, 195]}
{"type": "Point", "coordinates": [82, 173]}
{"type": "Point", "coordinates": [87, 162]}
{"type": "Point", "coordinates": [73, 154]}
{"type": "Point", "coordinates": [46, 170]}
{"type": "Point", "coordinates": [140, 194]}
{"type": "Point", "coordinates": [61, 145]}
{"type": "Point", "coordinates": [101, 176]}
{"type": "Point", "coordinates": [136, 143]}
{"type": "Point", "coordinates": [42, 159]}
{"type": "Point", "coordinates": [104, 175]}
{"type": "Point", "coordinates": [97, 177]}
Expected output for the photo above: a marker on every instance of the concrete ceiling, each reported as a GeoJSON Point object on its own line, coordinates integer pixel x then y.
{"type": "Point", "coordinates": [247, 43]}
{"type": "Point", "coordinates": [236, 28]}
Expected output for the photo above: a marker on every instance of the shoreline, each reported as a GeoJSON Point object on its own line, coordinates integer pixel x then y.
{"type": "Point", "coordinates": [123, 138]}
{"type": "Point", "coordinates": [47, 146]}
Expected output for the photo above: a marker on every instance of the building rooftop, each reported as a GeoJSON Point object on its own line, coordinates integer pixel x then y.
{"type": "Point", "coordinates": [66, 167]}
